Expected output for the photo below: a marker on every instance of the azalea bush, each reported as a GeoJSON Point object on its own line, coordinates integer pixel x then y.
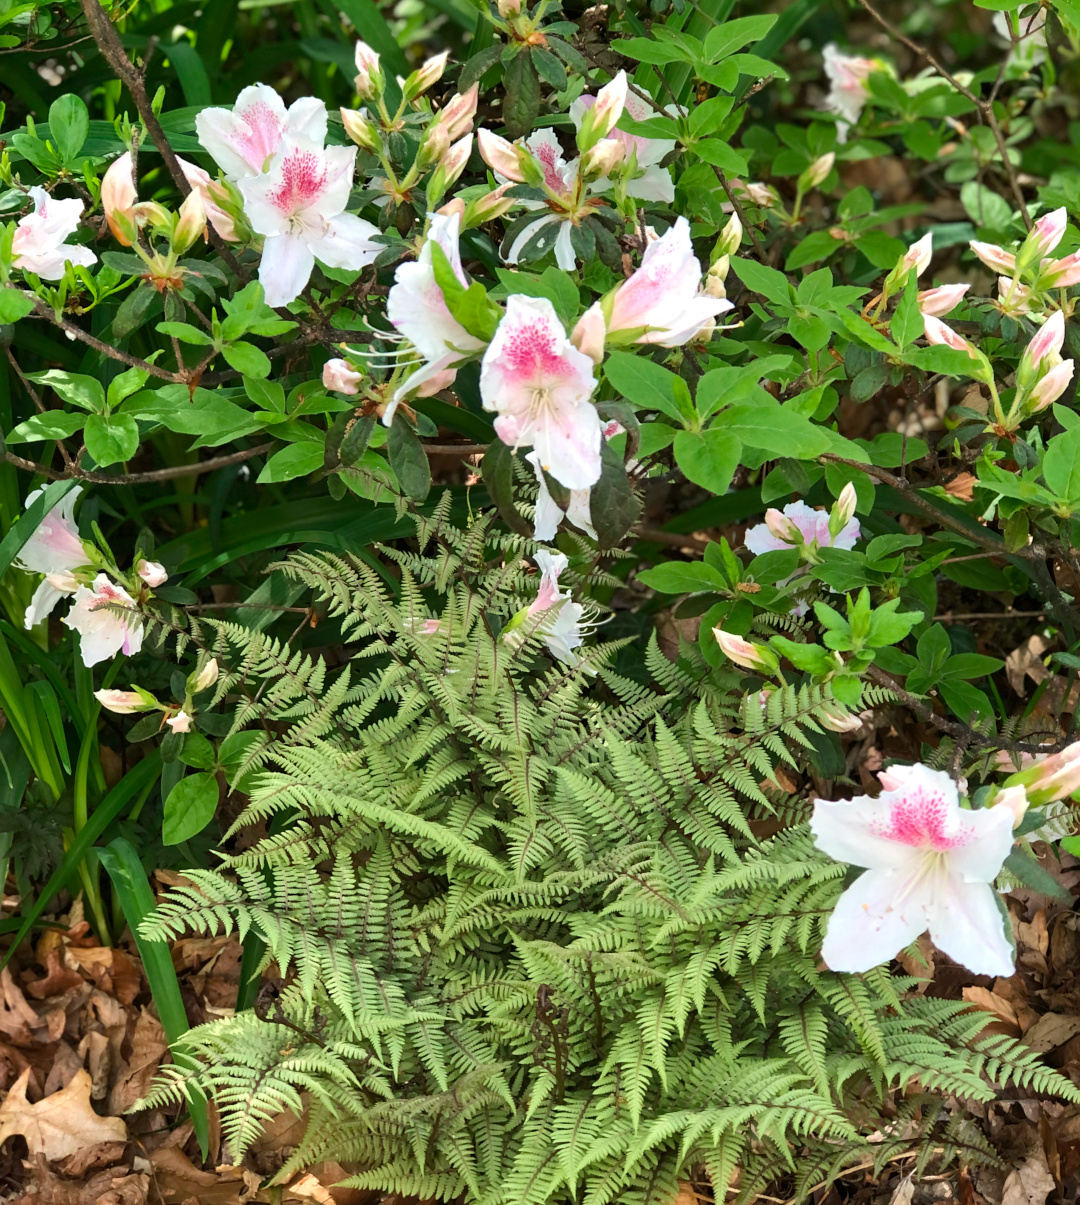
{"type": "Point", "coordinates": [536, 335]}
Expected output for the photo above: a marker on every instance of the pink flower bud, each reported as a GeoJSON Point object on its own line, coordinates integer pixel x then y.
{"type": "Point", "coordinates": [121, 702]}
{"type": "Point", "coordinates": [995, 257]}
{"type": "Point", "coordinates": [153, 573]}
{"type": "Point", "coordinates": [763, 195]}
{"type": "Point", "coordinates": [782, 527]}
{"type": "Point", "coordinates": [181, 722]}
{"type": "Point", "coordinates": [1060, 273]}
{"type": "Point", "coordinates": [1015, 799]}
{"type": "Point", "coordinates": [369, 76]}
{"type": "Point", "coordinates": [837, 721]}
{"type": "Point", "coordinates": [457, 156]}
{"type": "Point", "coordinates": [491, 205]}
{"type": "Point", "coordinates": [1051, 778]}
{"type": "Point", "coordinates": [917, 256]}
{"type": "Point", "coordinates": [118, 197]}
{"type": "Point", "coordinates": [745, 653]}
{"type": "Point", "coordinates": [589, 334]}
{"type": "Point", "coordinates": [190, 222]}
{"type": "Point", "coordinates": [454, 206]}
{"type": "Point", "coordinates": [361, 129]}
{"type": "Point", "coordinates": [936, 303]}
{"type": "Point", "coordinates": [340, 376]}
{"type": "Point", "coordinates": [730, 238]}
{"type": "Point", "coordinates": [715, 278]}
{"type": "Point", "coordinates": [817, 172]}
{"type": "Point", "coordinates": [501, 156]}
{"type": "Point", "coordinates": [206, 677]}
{"type": "Point", "coordinates": [604, 115]}
{"type": "Point", "coordinates": [434, 144]}
{"type": "Point", "coordinates": [603, 158]}
{"type": "Point", "coordinates": [509, 8]}
{"type": "Point", "coordinates": [938, 334]}
{"type": "Point", "coordinates": [427, 74]}
{"type": "Point", "coordinates": [1045, 235]}
{"type": "Point", "coordinates": [457, 115]}
{"type": "Point", "coordinates": [844, 509]}
{"type": "Point", "coordinates": [1051, 386]}
{"type": "Point", "coordinates": [1046, 343]}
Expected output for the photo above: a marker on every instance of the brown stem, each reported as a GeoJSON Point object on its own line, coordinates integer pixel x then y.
{"type": "Point", "coordinates": [106, 349]}
{"type": "Point", "coordinates": [35, 397]}
{"type": "Point", "coordinates": [154, 475]}
{"type": "Point", "coordinates": [740, 213]}
{"type": "Point", "coordinates": [985, 107]}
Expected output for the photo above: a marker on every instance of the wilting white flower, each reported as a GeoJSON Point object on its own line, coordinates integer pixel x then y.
{"type": "Point", "coordinates": [55, 549]}
{"type": "Point", "coordinates": [663, 299]}
{"type": "Point", "coordinates": [563, 625]}
{"type": "Point", "coordinates": [39, 244]}
{"type": "Point", "coordinates": [298, 204]}
{"type": "Point", "coordinates": [540, 386]}
{"type": "Point", "coordinates": [418, 311]}
{"type": "Point", "coordinates": [930, 865]}
{"type": "Point", "coordinates": [802, 521]}
{"type": "Point", "coordinates": [847, 75]}
{"type": "Point", "coordinates": [243, 139]}
{"type": "Point", "coordinates": [103, 631]}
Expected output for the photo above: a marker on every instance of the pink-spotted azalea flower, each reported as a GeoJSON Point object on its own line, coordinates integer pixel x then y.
{"type": "Point", "coordinates": [298, 205]}
{"type": "Point", "coordinates": [540, 387]}
{"type": "Point", "coordinates": [103, 630]}
{"type": "Point", "coordinates": [663, 301]}
{"type": "Point", "coordinates": [563, 625]}
{"type": "Point", "coordinates": [39, 244]}
{"type": "Point", "coordinates": [930, 865]}
{"type": "Point", "coordinates": [799, 525]}
{"type": "Point", "coordinates": [560, 182]}
{"type": "Point", "coordinates": [417, 310]}
{"type": "Point", "coordinates": [55, 549]}
{"type": "Point", "coordinates": [243, 139]}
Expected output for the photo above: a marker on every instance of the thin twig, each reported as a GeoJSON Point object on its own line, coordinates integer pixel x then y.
{"type": "Point", "coordinates": [986, 108]}
{"type": "Point", "coordinates": [106, 349]}
{"type": "Point", "coordinates": [154, 475]}
{"type": "Point", "coordinates": [740, 213]}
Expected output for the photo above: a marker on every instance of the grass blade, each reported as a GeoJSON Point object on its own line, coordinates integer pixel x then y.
{"type": "Point", "coordinates": [137, 902]}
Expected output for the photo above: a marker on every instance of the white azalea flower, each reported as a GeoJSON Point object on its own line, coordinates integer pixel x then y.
{"type": "Point", "coordinates": [55, 549]}
{"type": "Point", "coordinates": [539, 384]}
{"type": "Point", "coordinates": [104, 632]}
{"type": "Point", "coordinates": [298, 205]}
{"type": "Point", "coordinates": [39, 244]}
{"type": "Point", "coordinates": [930, 865]}
{"type": "Point", "coordinates": [242, 139]}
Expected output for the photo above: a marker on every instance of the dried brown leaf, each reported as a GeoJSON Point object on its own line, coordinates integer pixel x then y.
{"type": "Point", "coordinates": [61, 1124]}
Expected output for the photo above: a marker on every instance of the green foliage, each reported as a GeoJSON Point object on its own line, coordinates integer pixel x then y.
{"type": "Point", "coordinates": [531, 946]}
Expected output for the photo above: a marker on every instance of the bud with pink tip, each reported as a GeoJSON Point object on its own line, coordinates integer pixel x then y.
{"type": "Point", "coordinates": [1051, 778]}
{"type": "Point", "coordinates": [936, 303]}
{"type": "Point", "coordinates": [118, 197]}
{"type": "Point", "coordinates": [501, 156]}
{"type": "Point", "coordinates": [730, 238]}
{"type": "Point", "coordinates": [454, 206]}
{"type": "Point", "coordinates": [361, 129]}
{"type": "Point", "coordinates": [152, 573]}
{"type": "Point", "coordinates": [369, 80]}
{"type": "Point", "coordinates": [190, 222]}
{"type": "Point", "coordinates": [434, 144]}
{"type": "Point", "coordinates": [448, 169]}
{"type": "Point", "coordinates": [425, 76]}
{"type": "Point", "coordinates": [490, 206]}
{"type": "Point", "coordinates": [598, 121]}
{"type": "Point", "coordinates": [1060, 273]}
{"type": "Point", "coordinates": [843, 510]}
{"type": "Point", "coordinates": [782, 527]}
{"type": "Point", "coordinates": [340, 376]}
{"type": "Point", "coordinates": [508, 8]}
{"type": "Point", "coordinates": [590, 332]}
{"type": "Point", "coordinates": [816, 173]}
{"type": "Point", "coordinates": [206, 677]}
{"type": "Point", "coordinates": [603, 158]}
{"type": "Point", "coordinates": [763, 195]}
{"type": "Point", "coordinates": [938, 334]}
{"type": "Point", "coordinates": [122, 702]}
{"type": "Point", "coordinates": [917, 256]}
{"type": "Point", "coordinates": [995, 257]}
{"type": "Point", "coordinates": [1050, 387]}
{"type": "Point", "coordinates": [838, 721]}
{"type": "Point", "coordinates": [180, 723]}
{"type": "Point", "coordinates": [457, 115]}
{"type": "Point", "coordinates": [1015, 799]}
{"type": "Point", "coordinates": [746, 653]}
{"type": "Point", "coordinates": [1043, 237]}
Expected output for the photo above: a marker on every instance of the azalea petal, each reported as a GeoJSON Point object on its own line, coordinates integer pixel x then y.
{"type": "Point", "coordinates": [46, 596]}
{"type": "Point", "coordinates": [567, 439]}
{"type": "Point", "coordinates": [548, 514]}
{"type": "Point", "coordinates": [340, 163]}
{"type": "Point", "coordinates": [869, 924]}
{"type": "Point", "coordinates": [579, 512]}
{"type": "Point", "coordinates": [413, 385]}
{"type": "Point", "coordinates": [852, 830]}
{"type": "Point", "coordinates": [347, 243]}
{"type": "Point", "coordinates": [565, 256]}
{"type": "Point", "coordinates": [655, 185]}
{"type": "Point", "coordinates": [285, 269]}
{"type": "Point", "coordinates": [980, 860]}
{"type": "Point", "coordinates": [306, 118]}
{"type": "Point", "coordinates": [968, 925]}
{"type": "Point", "coordinates": [217, 131]}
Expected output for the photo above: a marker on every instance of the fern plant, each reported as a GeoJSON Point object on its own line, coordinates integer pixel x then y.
{"type": "Point", "coordinates": [530, 946]}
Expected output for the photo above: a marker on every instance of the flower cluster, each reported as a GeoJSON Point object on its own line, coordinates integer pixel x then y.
{"type": "Point", "coordinates": [104, 611]}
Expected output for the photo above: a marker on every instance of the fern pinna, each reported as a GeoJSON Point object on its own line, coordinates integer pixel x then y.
{"type": "Point", "coordinates": [531, 948]}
